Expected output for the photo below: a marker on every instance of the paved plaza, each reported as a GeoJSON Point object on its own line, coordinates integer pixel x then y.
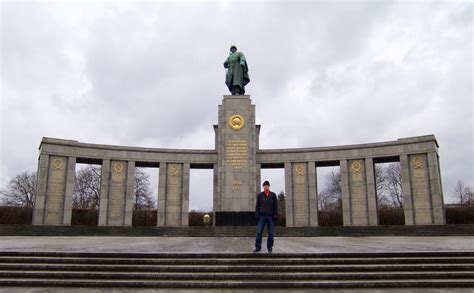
{"type": "Point", "coordinates": [236, 244]}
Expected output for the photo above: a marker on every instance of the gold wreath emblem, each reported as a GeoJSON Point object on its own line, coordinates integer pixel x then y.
{"type": "Point", "coordinates": [174, 171]}
{"type": "Point", "coordinates": [356, 167]}
{"type": "Point", "coordinates": [57, 163]}
{"type": "Point", "coordinates": [418, 163]}
{"type": "Point", "coordinates": [118, 167]}
{"type": "Point", "coordinates": [236, 122]}
{"type": "Point", "coordinates": [299, 170]}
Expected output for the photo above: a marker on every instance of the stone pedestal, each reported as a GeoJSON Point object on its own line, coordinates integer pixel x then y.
{"type": "Point", "coordinates": [55, 187]}
{"type": "Point", "coordinates": [236, 145]}
{"type": "Point", "coordinates": [359, 203]}
{"type": "Point", "coordinates": [116, 196]}
{"type": "Point", "coordinates": [423, 194]}
{"type": "Point", "coordinates": [300, 190]}
{"type": "Point", "coordinates": [173, 195]}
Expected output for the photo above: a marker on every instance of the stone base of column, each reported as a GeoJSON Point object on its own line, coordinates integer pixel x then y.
{"type": "Point", "coordinates": [235, 219]}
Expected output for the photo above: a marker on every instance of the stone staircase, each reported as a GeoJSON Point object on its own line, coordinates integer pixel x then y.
{"type": "Point", "coordinates": [237, 231]}
{"type": "Point", "coordinates": [237, 270]}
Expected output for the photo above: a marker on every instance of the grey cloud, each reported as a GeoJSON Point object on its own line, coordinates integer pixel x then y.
{"type": "Point", "coordinates": [322, 73]}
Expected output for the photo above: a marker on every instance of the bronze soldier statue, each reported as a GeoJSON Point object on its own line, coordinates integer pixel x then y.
{"type": "Point", "coordinates": [237, 76]}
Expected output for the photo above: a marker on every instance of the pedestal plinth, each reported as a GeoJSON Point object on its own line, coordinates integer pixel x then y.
{"type": "Point", "coordinates": [236, 145]}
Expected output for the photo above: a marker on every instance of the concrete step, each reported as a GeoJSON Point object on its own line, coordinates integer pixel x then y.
{"type": "Point", "coordinates": [236, 231]}
{"type": "Point", "coordinates": [231, 261]}
{"type": "Point", "coordinates": [228, 270]}
{"type": "Point", "coordinates": [237, 276]}
{"type": "Point", "coordinates": [240, 268]}
{"type": "Point", "coordinates": [224, 284]}
{"type": "Point", "coordinates": [412, 254]}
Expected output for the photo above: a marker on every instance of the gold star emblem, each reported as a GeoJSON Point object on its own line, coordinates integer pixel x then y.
{"type": "Point", "coordinates": [356, 167]}
{"type": "Point", "coordinates": [58, 164]}
{"type": "Point", "coordinates": [118, 167]}
{"type": "Point", "coordinates": [236, 122]}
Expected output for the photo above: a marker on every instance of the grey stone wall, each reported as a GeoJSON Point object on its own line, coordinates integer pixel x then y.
{"type": "Point", "coordinates": [116, 196]}
{"type": "Point", "coordinates": [424, 201]}
{"type": "Point", "coordinates": [173, 195]}
{"type": "Point", "coordinates": [55, 186]}
{"type": "Point", "coordinates": [358, 192]}
{"type": "Point", "coordinates": [236, 147]}
{"type": "Point", "coordinates": [237, 162]}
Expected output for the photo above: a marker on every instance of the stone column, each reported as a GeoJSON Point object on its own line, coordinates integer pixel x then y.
{"type": "Point", "coordinates": [236, 151]}
{"type": "Point", "coordinates": [41, 185]}
{"type": "Point", "coordinates": [301, 205]}
{"type": "Point", "coordinates": [289, 195]}
{"type": "Point", "coordinates": [358, 193]}
{"type": "Point", "coordinates": [58, 193]}
{"type": "Point", "coordinates": [130, 194]}
{"type": "Point", "coordinates": [70, 181]}
{"type": "Point", "coordinates": [313, 196]}
{"type": "Point", "coordinates": [357, 200]}
{"type": "Point", "coordinates": [173, 195]}
{"type": "Point", "coordinates": [162, 195]}
{"type": "Point", "coordinates": [346, 197]}
{"type": "Point", "coordinates": [436, 187]}
{"type": "Point", "coordinates": [215, 195]}
{"type": "Point", "coordinates": [185, 196]}
{"type": "Point", "coordinates": [104, 192]}
{"type": "Point", "coordinates": [420, 189]}
{"type": "Point", "coordinates": [406, 188]}
{"type": "Point", "coordinates": [258, 182]}
{"type": "Point", "coordinates": [371, 192]}
{"type": "Point", "coordinates": [117, 193]}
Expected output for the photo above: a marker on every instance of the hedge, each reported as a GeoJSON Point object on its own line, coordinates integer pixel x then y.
{"type": "Point", "coordinates": [386, 216]}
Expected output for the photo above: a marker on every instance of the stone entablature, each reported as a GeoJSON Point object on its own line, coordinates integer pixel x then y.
{"type": "Point", "coordinates": [237, 162]}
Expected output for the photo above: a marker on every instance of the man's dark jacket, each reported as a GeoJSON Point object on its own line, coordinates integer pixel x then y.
{"type": "Point", "coordinates": [266, 206]}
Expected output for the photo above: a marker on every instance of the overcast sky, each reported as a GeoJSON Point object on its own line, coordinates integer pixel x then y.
{"type": "Point", "coordinates": [322, 73]}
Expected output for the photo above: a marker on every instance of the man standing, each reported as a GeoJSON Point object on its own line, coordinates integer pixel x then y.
{"type": "Point", "coordinates": [237, 76]}
{"type": "Point", "coordinates": [266, 211]}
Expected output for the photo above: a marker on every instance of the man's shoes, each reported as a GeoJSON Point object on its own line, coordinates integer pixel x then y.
{"type": "Point", "coordinates": [270, 250]}
{"type": "Point", "coordinates": [256, 250]}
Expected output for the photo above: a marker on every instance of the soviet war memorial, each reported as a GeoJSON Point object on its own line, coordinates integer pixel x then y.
{"type": "Point", "coordinates": [237, 146]}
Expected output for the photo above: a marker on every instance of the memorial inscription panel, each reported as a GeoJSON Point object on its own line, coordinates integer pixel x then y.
{"type": "Point", "coordinates": [358, 193]}
{"type": "Point", "coordinates": [237, 153]}
{"type": "Point", "coordinates": [56, 189]}
{"type": "Point", "coordinates": [300, 195]}
{"type": "Point", "coordinates": [174, 194]}
{"type": "Point", "coordinates": [420, 190]}
{"type": "Point", "coordinates": [117, 192]}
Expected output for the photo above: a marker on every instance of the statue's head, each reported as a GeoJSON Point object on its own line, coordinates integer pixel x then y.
{"type": "Point", "coordinates": [233, 48]}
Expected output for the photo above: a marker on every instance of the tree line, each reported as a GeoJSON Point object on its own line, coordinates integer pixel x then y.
{"type": "Point", "coordinates": [388, 183]}
{"type": "Point", "coordinates": [21, 190]}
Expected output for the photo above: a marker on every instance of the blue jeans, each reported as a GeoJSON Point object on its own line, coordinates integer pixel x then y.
{"type": "Point", "coordinates": [271, 231]}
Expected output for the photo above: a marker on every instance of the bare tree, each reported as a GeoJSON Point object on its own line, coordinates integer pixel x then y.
{"type": "Point", "coordinates": [87, 188]}
{"type": "Point", "coordinates": [380, 179]}
{"type": "Point", "coordinates": [462, 193]}
{"type": "Point", "coordinates": [143, 194]}
{"type": "Point", "coordinates": [20, 191]}
{"type": "Point", "coordinates": [331, 196]}
{"type": "Point", "coordinates": [389, 186]}
{"type": "Point", "coordinates": [394, 184]}
{"type": "Point", "coordinates": [281, 203]}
